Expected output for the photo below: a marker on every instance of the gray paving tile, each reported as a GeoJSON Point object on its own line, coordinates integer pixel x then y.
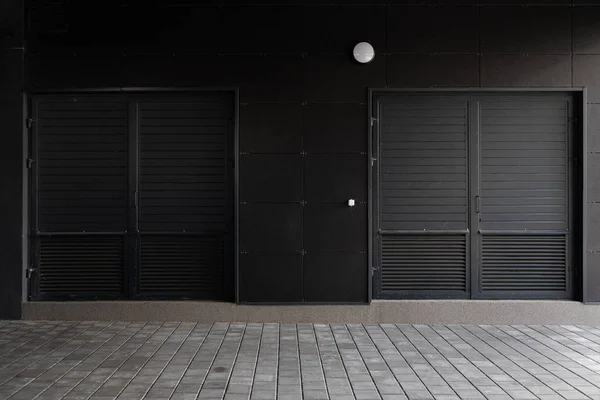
{"type": "Point", "coordinates": [101, 360]}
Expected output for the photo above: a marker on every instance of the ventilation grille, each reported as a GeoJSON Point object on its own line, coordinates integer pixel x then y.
{"type": "Point", "coordinates": [82, 166]}
{"type": "Point", "coordinates": [426, 263]}
{"type": "Point", "coordinates": [182, 265]}
{"type": "Point", "coordinates": [183, 172]}
{"type": "Point", "coordinates": [79, 265]}
{"type": "Point", "coordinates": [524, 263]}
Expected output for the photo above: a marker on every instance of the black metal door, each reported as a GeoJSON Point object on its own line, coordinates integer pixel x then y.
{"type": "Point", "coordinates": [472, 195]}
{"type": "Point", "coordinates": [132, 196]}
{"type": "Point", "coordinates": [525, 185]}
{"type": "Point", "coordinates": [421, 175]}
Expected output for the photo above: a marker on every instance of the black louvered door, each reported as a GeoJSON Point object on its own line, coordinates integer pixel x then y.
{"type": "Point", "coordinates": [79, 215]}
{"type": "Point", "coordinates": [422, 177]}
{"type": "Point", "coordinates": [472, 195]}
{"type": "Point", "coordinates": [525, 181]}
{"type": "Point", "coordinates": [185, 196]}
{"type": "Point", "coordinates": [132, 196]}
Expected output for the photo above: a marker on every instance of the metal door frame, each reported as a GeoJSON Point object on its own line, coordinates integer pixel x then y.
{"type": "Point", "coordinates": [127, 93]}
{"type": "Point", "coordinates": [579, 97]}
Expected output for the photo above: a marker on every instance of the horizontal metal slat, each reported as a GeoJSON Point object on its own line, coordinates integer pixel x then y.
{"type": "Point", "coordinates": [413, 263]}
{"type": "Point", "coordinates": [83, 265]}
{"type": "Point", "coordinates": [172, 264]}
{"type": "Point", "coordinates": [524, 263]}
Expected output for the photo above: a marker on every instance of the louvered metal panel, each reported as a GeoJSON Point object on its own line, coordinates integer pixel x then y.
{"type": "Point", "coordinates": [423, 164]}
{"type": "Point", "coordinates": [185, 186]}
{"type": "Point", "coordinates": [423, 263]}
{"type": "Point", "coordinates": [524, 263]}
{"type": "Point", "coordinates": [81, 265]}
{"type": "Point", "coordinates": [182, 265]}
{"type": "Point", "coordinates": [82, 156]}
{"type": "Point", "coordinates": [183, 165]}
{"type": "Point", "coordinates": [524, 187]}
{"type": "Point", "coordinates": [524, 158]}
{"type": "Point", "coordinates": [117, 165]}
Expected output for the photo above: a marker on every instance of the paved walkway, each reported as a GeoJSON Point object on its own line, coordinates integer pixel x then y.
{"type": "Point", "coordinates": [119, 360]}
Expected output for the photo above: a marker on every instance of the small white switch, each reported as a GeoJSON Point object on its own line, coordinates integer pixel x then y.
{"type": "Point", "coordinates": [351, 202]}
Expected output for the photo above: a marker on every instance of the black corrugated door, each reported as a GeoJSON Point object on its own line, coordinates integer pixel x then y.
{"type": "Point", "coordinates": [79, 216]}
{"type": "Point", "coordinates": [473, 195]}
{"type": "Point", "coordinates": [132, 196]}
{"type": "Point", "coordinates": [185, 197]}
{"type": "Point", "coordinates": [421, 212]}
{"type": "Point", "coordinates": [525, 181]}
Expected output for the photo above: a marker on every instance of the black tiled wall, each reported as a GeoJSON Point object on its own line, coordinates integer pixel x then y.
{"type": "Point", "coordinates": [303, 128]}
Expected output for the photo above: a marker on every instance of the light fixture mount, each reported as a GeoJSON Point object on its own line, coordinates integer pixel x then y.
{"type": "Point", "coordinates": [363, 52]}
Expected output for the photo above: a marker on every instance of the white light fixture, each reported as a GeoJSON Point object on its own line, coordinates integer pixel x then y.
{"type": "Point", "coordinates": [363, 52]}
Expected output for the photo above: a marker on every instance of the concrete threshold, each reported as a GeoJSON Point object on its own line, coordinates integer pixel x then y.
{"type": "Point", "coordinates": [379, 311]}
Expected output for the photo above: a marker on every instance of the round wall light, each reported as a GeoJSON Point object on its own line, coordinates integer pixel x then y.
{"type": "Point", "coordinates": [363, 52]}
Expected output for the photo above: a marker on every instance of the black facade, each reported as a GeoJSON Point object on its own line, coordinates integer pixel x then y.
{"type": "Point", "coordinates": [302, 111]}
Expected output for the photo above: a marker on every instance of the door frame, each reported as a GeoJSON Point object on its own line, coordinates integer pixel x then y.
{"type": "Point", "coordinates": [578, 252]}
{"type": "Point", "coordinates": [31, 198]}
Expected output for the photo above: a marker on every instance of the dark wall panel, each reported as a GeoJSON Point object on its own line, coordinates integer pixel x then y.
{"type": "Point", "coordinates": [271, 278]}
{"type": "Point", "coordinates": [544, 30]}
{"type": "Point", "coordinates": [586, 30]}
{"type": "Point", "coordinates": [264, 29]}
{"type": "Point", "coordinates": [274, 228]}
{"type": "Point", "coordinates": [335, 128]}
{"type": "Point", "coordinates": [264, 78]}
{"type": "Point", "coordinates": [271, 128]}
{"type": "Point", "coordinates": [425, 70]}
{"type": "Point", "coordinates": [585, 73]}
{"type": "Point", "coordinates": [327, 78]}
{"type": "Point", "coordinates": [335, 178]}
{"type": "Point", "coordinates": [270, 177]}
{"type": "Point", "coordinates": [11, 160]}
{"type": "Point", "coordinates": [353, 24]}
{"type": "Point", "coordinates": [525, 70]}
{"type": "Point", "coordinates": [593, 134]}
{"type": "Point", "coordinates": [335, 277]}
{"type": "Point", "coordinates": [61, 71]}
{"type": "Point", "coordinates": [335, 226]}
{"type": "Point", "coordinates": [433, 29]}
{"type": "Point", "coordinates": [592, 287]}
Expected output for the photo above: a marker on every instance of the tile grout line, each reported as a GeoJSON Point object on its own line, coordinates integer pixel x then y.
{"type": "Point", "coordinates": [62, 359]}
{"type": "Point", "coordinates": [187, 367]}
{"type": "Point", "coordinates": [502, 338]}
{"type": "Point", "coordinates": [35, 338]}
{"type": "Point", "coordinates": [109, 355]}
{"type": "Point", "coordinates": [384, 358]}
{"type": "Point", "coordinates": [462, 339]}
{"type": "Point", "coordinates": [166, 362]}
{"type": "Point", "coordinates": [363, 361]}
{"type": "Point", "coordinates": [237, 354]}
{"type": "Point", "coordinates": [341, 361]}
{"type": "Point", "coordinates": [550, 348]}
{"type": "Point", "coordinates": [532, 327]}
{"type": "Point", "coordinates": [214, 357]}
{"type": "Point", "coordinates": [45, 354]}
{"type": "Point", "coordinates": [89, 355]}
{"type": "Point", "coordinates": [131, 355]}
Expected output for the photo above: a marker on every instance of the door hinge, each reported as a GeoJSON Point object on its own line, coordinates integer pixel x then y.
{"type": "Point", "coordinates": [29, 272]}
{"type": "Point", "coordinates": [31, 122]}
{"type": "Point", "coordinates": [373, 121]}
{"type": "Point", "coordinates": [477, 204]}
{"type": "Point", "coordinates": [29, 162]}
